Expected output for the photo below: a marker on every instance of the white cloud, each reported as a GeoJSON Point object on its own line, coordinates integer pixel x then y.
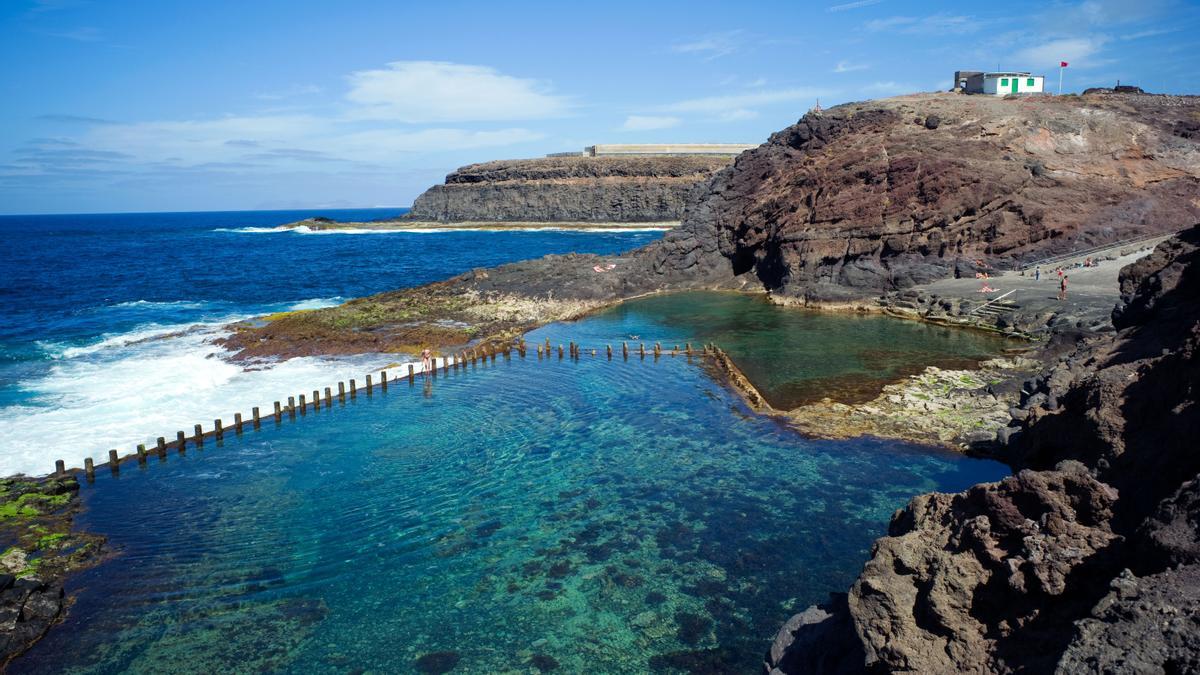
{"type": "Point", "coordinates": [1076, 51]}
{"type": "Point", "coordinates": [648, 123]}
{"type": "Point", "coordinates": [711, 46]}
{"type": "Point", "coordinates": [852, 5]}
{"type": "Point", "coordinates": [739, 106]}
{"type": "Point", "coordinates": [847, 67]}
{"type": "Point", "coordinates": [936, 24]}
{"type": "Point", "coordinates": [438, 92]}
{"type": "Point", "coordinates": [289, 92]}
{"type": "Point", "coordinates": [891, 88]}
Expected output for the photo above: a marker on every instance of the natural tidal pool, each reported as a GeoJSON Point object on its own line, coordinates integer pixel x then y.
{"type": "Point", "coordinates": [796, 356]}
{"type": "Point", "coordinates": [591, 516]}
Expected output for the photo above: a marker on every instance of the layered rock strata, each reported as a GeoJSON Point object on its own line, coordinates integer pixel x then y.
{"type": "Point", "coordinates": [572, 189]}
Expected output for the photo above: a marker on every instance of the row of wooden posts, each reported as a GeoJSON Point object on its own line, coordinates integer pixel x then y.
{"type": "Point", "coordinates": [300, 404]}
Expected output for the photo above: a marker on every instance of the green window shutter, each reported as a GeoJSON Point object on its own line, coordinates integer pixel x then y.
{"type": "Point", "coordinates": [1004, 82]}
{"type": "Point", "coordinates": [1029, 82]}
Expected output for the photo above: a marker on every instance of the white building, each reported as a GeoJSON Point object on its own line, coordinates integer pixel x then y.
{"type": "Point", "coordinates": [1000, 83]}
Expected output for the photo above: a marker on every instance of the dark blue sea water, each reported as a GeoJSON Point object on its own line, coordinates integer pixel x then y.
{"type": "Point", "coordinates": [87, 298]}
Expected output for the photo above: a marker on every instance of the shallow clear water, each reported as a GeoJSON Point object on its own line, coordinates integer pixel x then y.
{"type": "Point", "coordinates": [594, 516]}
{"type": "Point", "coordinates": [794, 356]}
{"type": "Point", "coordinates": [109, 318]}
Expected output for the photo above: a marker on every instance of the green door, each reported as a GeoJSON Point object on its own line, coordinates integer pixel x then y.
{"type": "Point", "coordinates": [1015, 80]}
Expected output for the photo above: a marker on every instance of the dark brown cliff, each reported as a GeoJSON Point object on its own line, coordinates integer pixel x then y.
{"type": "Point", "coordinates": [632, 189]}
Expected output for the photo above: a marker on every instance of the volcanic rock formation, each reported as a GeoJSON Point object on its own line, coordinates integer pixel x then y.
{"type": "Point", "coordinates": [1087, 559]}
{"type": "Point", "coordinates": [632, 189]}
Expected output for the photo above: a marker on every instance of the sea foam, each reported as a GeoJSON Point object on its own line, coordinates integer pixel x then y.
{"type": "Point", "coordinates": [151, 381]}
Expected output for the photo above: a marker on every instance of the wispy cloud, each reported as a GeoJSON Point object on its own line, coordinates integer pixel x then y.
{"type": "Point", "coordinates": [649, 122]}
{"type": "Point", "coordinates": [891, 88]}
{"type": "Point", "coordinates": [743, 101]}
{"type": "Point", "coordinates": [1147, 33]}
{"type": "Point", "coordinates": [439, 92]}
{"type": "Point", "coordinates": [81, 34]}
{"type": "Point", "coordinates": [847, 67]}
{"type": "Point", "coordinates": [74, 119]}
{"type": "Point", "coordinates": [1080, 52]}
{"type": "Point", "coordinates": [852, 5]}
{"type": "Point", "coordinates": [935, 24]}
{"type": "Point", "coordinates": [712, 46]}
{"type": "Point", "coordinates": [289, 92]}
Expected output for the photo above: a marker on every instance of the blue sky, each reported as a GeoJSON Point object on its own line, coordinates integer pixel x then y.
{"type": "Point", "coordinates": [131, 105]}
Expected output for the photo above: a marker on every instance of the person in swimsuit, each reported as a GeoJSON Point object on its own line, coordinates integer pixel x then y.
{"type": "Point", "coordinates": [426, 360]}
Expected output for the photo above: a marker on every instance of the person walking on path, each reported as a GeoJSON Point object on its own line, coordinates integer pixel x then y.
{"type": "Point", "coordinates": [1037, 274]}
{"type": "Point", "coordinates": [1062, 288]}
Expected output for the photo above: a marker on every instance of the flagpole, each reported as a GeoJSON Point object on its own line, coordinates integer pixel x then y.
{"type": "Point", "coordinates": [1060, 69]}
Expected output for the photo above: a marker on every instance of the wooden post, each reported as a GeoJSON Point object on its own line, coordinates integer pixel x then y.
{"type": "Point", "coordinates": [60, 467]}
{"type": "Point", "coordinates": [342, 391]}
{"type": "Point", "coordinates": [278, 412]}
{"type": "Point", "coordinates": [608, 348]}
{"type": "Point", "coordinates": [625, 350]}
{"type": "Point", "coordinates": [657, 349]}
{"type": "Point", "coordinates": [571, 349]}
{"type": "Point", "coordinates": [292, 407]}
{"type": "Point", "coordinates": [219, 431]}
{"type": "Point", "coordinates": [383, 380]}
{"type": "Point", "coordinates": [199, 436]}
{"type": "Point", "coordinates": [141, 452]}
{"type": "Point", "coordinates": [182, 443]}
{"type": "Point", "coordinates": [642, 349]}
{"type": "Point", "coordinates": [303, 405]}
{"type": "Point", "coordinates": [688, 347]}
{"type": "Point", "coordinates": [560, 352]}
{"type": "Point", "coordinates": [162, 448]}
{"type": "Point", "coordinates": [328, 397]}
{"type": "Point", "coordinates": [113, 462]}
{"type": "Point", "coordinates": [89, 469]}
{"type": "Point", "coordinates": [237, 423]}
{"type": "Point", "coordinates": [353, 389]}
{"type": "Point", "coordinates": [316, 400]}
{"type": "Point", "coordinates": [369, 385]}
{"type": "Point", "coordinates": [411, 374]}
{"type": "Point", "coordinates": [254, 414]}
{"type": "Point", "coordinates": [539, 347]}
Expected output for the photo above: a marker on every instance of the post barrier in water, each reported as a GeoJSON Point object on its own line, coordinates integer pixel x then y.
{"type": "Point", "coordinates": [141, 453]}
{"type": "Point", "coordinates": [316, 400]}
{"type": "Point", "coordinates": [114, 463]}
{"type": "Point", "coordinates": [60, 467]}
{"type": "Point", "coordinates": [608, 348]}
{"type": "Point", "coordinates": [328, 397]}
{"type": "Point", "coordinates": [237, 423]}
{"type": "Point", "coordinates": [219, 430]}
{"type": "Point", "coordinates": [303, 405]}
{"type": "Point", "coordinates": [369, 385]}
{"type": "Point", "coordinates": [254, 412]}
{"type": "Point", "coordinates": [199, 436]}
{"type": "Point", "coordinates": [383, 380]}
{"type": "Point", "coordinates": [353, 389]}
{"type": "Point", "coordinates": [179, 438]}
{"type": "Point", "coordinates": [278, 411]}
{"type": "Point", "coordinates": [625, 350]}
{"type": "Point", "coordinates": [642, 349]}
{"type": "Point", "coordinates": [560, 352]}
{"type": "Point", "coordinates": [342, 392]}
{"type": "Point", "coordinates": [162, 447]}
{"type": "Point", "coordinates": [89, 469]}
{"type": "Point", "coordinates": [292, 407]}
{"type": "Point", "coordinates": [411, 374]}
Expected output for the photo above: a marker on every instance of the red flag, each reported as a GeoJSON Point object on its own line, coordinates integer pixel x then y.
{"type": "Point", "coordinates": [1062, 64]}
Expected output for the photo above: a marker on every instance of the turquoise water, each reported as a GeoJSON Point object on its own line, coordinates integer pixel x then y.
{"type": "Point", "coordinates": [795, 356]}
{"type": "Point", "coordinates": [536, 515]}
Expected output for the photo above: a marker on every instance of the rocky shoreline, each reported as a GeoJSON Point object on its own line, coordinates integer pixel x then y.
{"type": "Point", "coordinates": [41, 549]}
{"type": "Point", "coordinates": [1087, 558]}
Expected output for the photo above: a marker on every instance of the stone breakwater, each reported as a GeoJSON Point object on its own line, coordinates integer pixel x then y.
{"type": "Point", "coordinates": [1087, 558]}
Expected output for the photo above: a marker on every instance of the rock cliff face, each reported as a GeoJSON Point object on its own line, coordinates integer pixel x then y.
{"type": "Point", "coordinates": [881, 195]}
{"type": "Point", "coordinates": [1087, 559]}
{"type": "Point", "coordinates": [578, 189]}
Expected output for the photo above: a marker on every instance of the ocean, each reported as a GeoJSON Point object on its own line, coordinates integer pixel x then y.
{"type": "Point", "coordinates": [109, 318]}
